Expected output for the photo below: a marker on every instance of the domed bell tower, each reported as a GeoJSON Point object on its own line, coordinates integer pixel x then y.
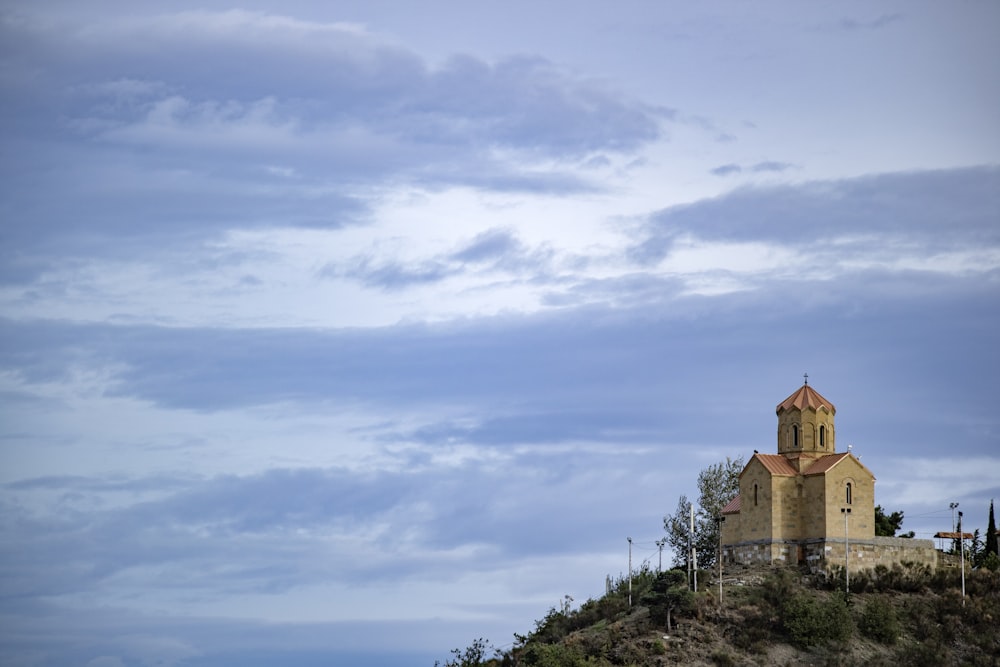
{"type": "Point", "coordinates": [805, 424]}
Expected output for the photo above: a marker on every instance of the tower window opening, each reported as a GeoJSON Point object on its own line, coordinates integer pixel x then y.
{"type": "Point", "coordinates": [848, 495]}
{"type": "Point", "coordinates": [754, 494]}
{"type": "Point", "coordinates": [822, 436]}
{"type": "Point", "coordinates": [795, 436]}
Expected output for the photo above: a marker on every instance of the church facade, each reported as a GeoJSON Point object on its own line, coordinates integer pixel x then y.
{"type": "Point", "coordinates": [809, 503]}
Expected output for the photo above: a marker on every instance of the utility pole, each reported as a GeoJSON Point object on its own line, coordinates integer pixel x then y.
{"type": "Point", "coordinates": [846, 511]}
{"type": "Point", "coordinates": [721, 519]}
{"type": "Point", "coordinates": [953, 506]}
{"type": "Point", "coordinates": [694, 552]}
{"type": "Point", "coordinates": [630, 572]}
{"type": "Point", "coordinates": [660, 544]}
{"type": "Point", "coordinates": [961, 541]}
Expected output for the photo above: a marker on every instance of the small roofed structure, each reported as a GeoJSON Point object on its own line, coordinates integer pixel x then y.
{"type": "Point", "coordinates": [954, 536]}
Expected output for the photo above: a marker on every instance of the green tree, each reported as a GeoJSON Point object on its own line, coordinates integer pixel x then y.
{"type": "Point", "coordinates": [991, 534]}
{"type": "Point", "coordinates": [975, 552]}
{"type": "Point", "coordinates": [678, 530]}
{"type": "Point", "coordinates": [668, 595]}
{"type": "Point", "coordinates": [717, 485]}
{"type": "Point", "coordinates": [887, 525]}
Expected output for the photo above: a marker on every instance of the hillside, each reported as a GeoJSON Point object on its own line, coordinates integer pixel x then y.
{"type": "Point", "coordinates": [904, 615]}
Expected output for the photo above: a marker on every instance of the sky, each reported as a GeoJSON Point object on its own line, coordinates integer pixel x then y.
{"type": "Point", "coordinates": [343, 333]}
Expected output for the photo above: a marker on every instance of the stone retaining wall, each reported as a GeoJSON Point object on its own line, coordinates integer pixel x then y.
{"type": "Point", "coordinates": [821, 554]}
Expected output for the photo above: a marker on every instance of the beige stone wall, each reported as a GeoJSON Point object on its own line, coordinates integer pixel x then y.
{"type": "Point", "coordinates": [861, 523]}
{"type": "Point", "coordinates": [755, 517]}
{"type": "Point", "coordinates": [787, 508]}
{"type": "Point", "coordinates": [824, 554]}
{"type": "Point", "coordinates": [814, 524]}
{"type": "Point", "coordinates": [731, 529]}
{"type": "Point", "coordinates": [808, 422]}
{"type": "Point", "coordinates": [866, 554]}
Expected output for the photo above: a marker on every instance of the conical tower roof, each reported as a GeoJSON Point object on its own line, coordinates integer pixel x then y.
{"type": "Point", "coordinates": [805, 397]}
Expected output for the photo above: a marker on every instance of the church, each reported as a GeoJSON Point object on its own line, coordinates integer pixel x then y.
{"type": "Point", "coordinates": [810, 504]}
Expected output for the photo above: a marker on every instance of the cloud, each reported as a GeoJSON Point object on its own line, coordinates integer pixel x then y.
{"type": "Point", "coordinates": [493, 244]}
{"type": "Point", "coordinates": [550, 368]}
{"type": "Point", "coordinates": [283, 530]}
{"type": "Point", "coordinates": [491, 251]}
{"type": "Point", "coordinates": [393, 275]}
{"type": "Point", "coordinates": [881, 21]}
{"type": "Point", "coordinates": [726, 170]}
{"type": "Point", "coordinates": [335, 76]}
{"type": "Point", "coordinates": [164, 131]}
{"type": "Point", "coordinates": [768, 166]}
{"type": "Point", "coordinates": [926, 213]}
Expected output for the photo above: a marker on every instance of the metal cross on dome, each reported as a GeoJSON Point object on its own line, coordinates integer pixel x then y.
{"type": "Point", "coordinates": [805, 377]}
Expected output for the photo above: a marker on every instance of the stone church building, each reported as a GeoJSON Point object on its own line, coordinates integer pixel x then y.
{"type": "Point", "coordinates": [809, 504]}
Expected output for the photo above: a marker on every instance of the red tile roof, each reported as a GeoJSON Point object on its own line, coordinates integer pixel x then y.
{"type": "Point", "coordinates": [824, 463]}
{"type": "Point", "coordinates": [777, 464]}
{"type": "Point", "coordinates": [732, 507]}
{"type": "Point", "coordinates": [805, 397]}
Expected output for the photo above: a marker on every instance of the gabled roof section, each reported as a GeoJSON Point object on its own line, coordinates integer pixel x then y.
{"type": "Point", "coordinates": [776, 464]}
{"type": "Point", "coordinates": [825, 463]}
{"type": "Point", "coordinates": [805, 397]}
{"type": "Point", "coordinates": [733, 506]}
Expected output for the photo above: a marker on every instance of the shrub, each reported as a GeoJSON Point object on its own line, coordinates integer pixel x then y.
{"type": "Point", "coordinates": [879, 621]}
{"type": "Point", "coordinates": [861, 581]}
{"type": "Point", "coordinates": [723, 659]}
{"type": "Point", "coordinates": [473, 656]}
{"type": "Point", "coordinates": [991, 562]}
{"type": "Point", "coordinates": [923, 654]}
{"type": "Point", "coordinates": [812, 622]}
{"type": "Point", "coordinates": [552, 655]}
{"type": "Point", "coordinates": [778, 587]}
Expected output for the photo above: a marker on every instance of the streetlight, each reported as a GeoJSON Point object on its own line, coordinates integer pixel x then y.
{"type": "Point", "coordinates": [720, 520]}
{"type": "Point", "coordinates": [953, 506]}
{"type": "Point", "coordinates": [629, 571]}
{"type": "Point", "coordinates": [693, 567]}
{"type": "Point", "coordinates": [961, 541]}
{"type": "Point", "coordinates": [846, 511]}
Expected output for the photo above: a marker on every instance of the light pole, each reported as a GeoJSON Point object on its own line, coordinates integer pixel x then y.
{"type": "Point", "coordinates": [961, 541]}
{"type": "Point", "coordinates": [953, 506]}
{"type": "Point", "coordinates": [630, 572]}
{"type": "Point", "coordinates": [846, 511]}
{"type": "Point", "coordinates": [694, 552]}
{"type": "Point", "coordinates": [721, 519]}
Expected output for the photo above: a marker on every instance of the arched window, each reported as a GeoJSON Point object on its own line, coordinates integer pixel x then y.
{"type": "Point", "coordinates": [822, 436]}
{"type": "Point", "coordinates": [795, 436]}
{"type": "Point", "coordinates": [754, 494]}
{"type": "Point", "coordinates": [848, 496]}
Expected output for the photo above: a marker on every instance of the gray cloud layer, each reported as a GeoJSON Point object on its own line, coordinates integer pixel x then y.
{"type": "Point", "coordinates": [932, 211]}
{"type": "Point", "coordinates": [180, 144]}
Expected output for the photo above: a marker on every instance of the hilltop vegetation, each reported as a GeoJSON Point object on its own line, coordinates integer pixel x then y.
{"type": "Point", "coordinates": [901, 615]}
